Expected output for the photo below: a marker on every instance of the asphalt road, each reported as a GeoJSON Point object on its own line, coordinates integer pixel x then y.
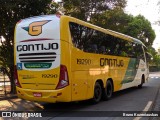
{"type": "Point", "coordinates": [126, 102]}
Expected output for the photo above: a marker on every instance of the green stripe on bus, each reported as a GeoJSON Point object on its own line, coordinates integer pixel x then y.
{"type": "Point", "coordinates": [131, 71]}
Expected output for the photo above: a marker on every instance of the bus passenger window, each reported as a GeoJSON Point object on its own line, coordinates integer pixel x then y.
{"type": "Point", "coordinates": [124, 54]}
{"type": "Point", "coordinates": [93, 48]}
{"type": "Point", "coordinates": [102, 50]}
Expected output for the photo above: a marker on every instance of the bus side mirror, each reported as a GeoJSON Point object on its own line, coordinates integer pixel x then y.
{"type": "Point", "coordinates": [149, 56]}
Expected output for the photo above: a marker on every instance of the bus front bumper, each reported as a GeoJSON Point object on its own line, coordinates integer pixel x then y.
{"type": "Point", "coordinates": [51, 96]}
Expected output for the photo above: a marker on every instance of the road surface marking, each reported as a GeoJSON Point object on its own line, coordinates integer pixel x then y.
{"type": "Point", "coordinates": [145, 110]}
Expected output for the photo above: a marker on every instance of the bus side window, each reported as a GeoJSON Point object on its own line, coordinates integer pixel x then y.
{"type": "Point", "coordinates": [134, 50]}
{"type": "Point", "coordinates": [117, 48]}
{"type": "Point", "coordinates": [123, 54]}
{"type": "Point", "coordinates": [122, 49]}
{"type": "Point", "coordinates": [130, 51]}
{"type": "Point", "coordinates": [102, 50]}
{"type": "Point", "coordinates": [93, 48]}
{"type": "Point", "coordinates": [139, 52]}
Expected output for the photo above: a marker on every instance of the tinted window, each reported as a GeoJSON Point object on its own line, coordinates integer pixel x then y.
{"type": "Point", "coordinates": [139, 52]}
{"type": "Point", "coordinates": [93, 41]}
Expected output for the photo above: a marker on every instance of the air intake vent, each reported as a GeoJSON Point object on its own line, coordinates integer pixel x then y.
{"type": "Point", "coordinates": [37, 57]}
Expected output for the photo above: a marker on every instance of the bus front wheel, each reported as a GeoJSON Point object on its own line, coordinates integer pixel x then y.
{"type": "Point", "coordinates": [97, 93]}
{"type": "Point", "coordinates": [108, 91]}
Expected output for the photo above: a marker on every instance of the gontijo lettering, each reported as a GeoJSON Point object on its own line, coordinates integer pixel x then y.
{"type": "Point", "coordinates": [111, 62]}
{"type": "Point", "coordinates": [36, 47]}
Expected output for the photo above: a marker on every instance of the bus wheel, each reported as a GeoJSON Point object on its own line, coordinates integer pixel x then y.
{"type": "Point", "coordinates": [97, 93]}
{"type": "Point", "coordinates": [142, 81]}
{"type": "Point", "coordinates": [108, 91]}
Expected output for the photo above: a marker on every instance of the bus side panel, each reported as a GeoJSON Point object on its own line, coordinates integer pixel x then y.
{"type": "Point", "coordinates": [65, 51]}
{"type": "Point", "coordinates": [136, 68]}
{"type": "Point", "coordinates": [83, 76]}
{"type": "Point", "coordinates": [89, 68]}
{"type": "Point", "coordinates": [86, 69]}
{"type": "Point", "coordinates": [67, 59]}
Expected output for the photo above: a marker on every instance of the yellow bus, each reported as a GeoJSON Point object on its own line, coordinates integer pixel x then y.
{"type": "Point", "coordinates": [63, 59]}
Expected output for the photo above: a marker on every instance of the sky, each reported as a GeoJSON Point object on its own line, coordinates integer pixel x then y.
{"type": "Point", "coordinates": [150, 10]}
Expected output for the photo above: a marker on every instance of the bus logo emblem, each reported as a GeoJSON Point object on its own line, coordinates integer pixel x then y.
{"type": "Point", "coordinates": [35, 28]}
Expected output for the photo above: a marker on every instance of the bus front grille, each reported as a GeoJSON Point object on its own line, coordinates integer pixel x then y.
{"type": "Point", "coordinates": [37, 57]}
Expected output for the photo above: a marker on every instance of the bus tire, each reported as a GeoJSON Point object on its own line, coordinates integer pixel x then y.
{"type": "Point", "coordinates": [142, 81]}
{"type": "Point", "coordinates": [108, 91]}
{"type": "Point", "coordinates": [97, 93]}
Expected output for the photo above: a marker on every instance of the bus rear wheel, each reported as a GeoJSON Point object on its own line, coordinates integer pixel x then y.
{"type": "Point", "coordinates": [108, 91]}
{"type": "Point", "coordinates": [97, 93]}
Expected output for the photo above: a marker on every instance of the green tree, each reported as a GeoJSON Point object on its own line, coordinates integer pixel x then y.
{"type": "Point", "coordinates": [141, 28]}
{"type": "Point", "coordinates": [156, 58]}
{"type": "Point", "coordinates": [53, 8]}
{"type": "Point", "coordinates": [114, 19]}
{"type": "Point", "coordinates": [11, 12]}
{"type": "Point", "coordinates": [86, 9]}
{"type": "Point", "coordinates": [137, 27]}
{"type": "Point", "coordinates": [152, 51]}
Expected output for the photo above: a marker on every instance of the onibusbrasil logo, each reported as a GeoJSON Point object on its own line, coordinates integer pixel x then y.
{"type": "Point", "coordinates": [35, 28]}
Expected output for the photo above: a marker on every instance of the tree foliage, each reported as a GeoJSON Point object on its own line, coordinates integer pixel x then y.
{"type": "Point", "coordinates": [156, 58]}
{"type": "Point", "coordinates": [109, 14]}
{"type": "Point", "coordinates": [141, 28]}
{"type": "Point", "coordinates": [137, 27]}
{"type": "Point", "coordinates": [114, 19]}
{"type": "Point", "coordinates": [11, 12]}
{"type": "Point", "coordinates": [86, 9]}
{"type": "Point", "coordinates": [53, 8]}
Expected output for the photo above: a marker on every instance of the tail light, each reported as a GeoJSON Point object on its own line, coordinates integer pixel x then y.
{"type": "Point", "coordinates": [63, 79]}
{"type": "Point", "coordinates": [16, 77]}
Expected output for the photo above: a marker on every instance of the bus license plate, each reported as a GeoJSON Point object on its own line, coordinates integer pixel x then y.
{"type": "Point", "coordinates": [37, 94]}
